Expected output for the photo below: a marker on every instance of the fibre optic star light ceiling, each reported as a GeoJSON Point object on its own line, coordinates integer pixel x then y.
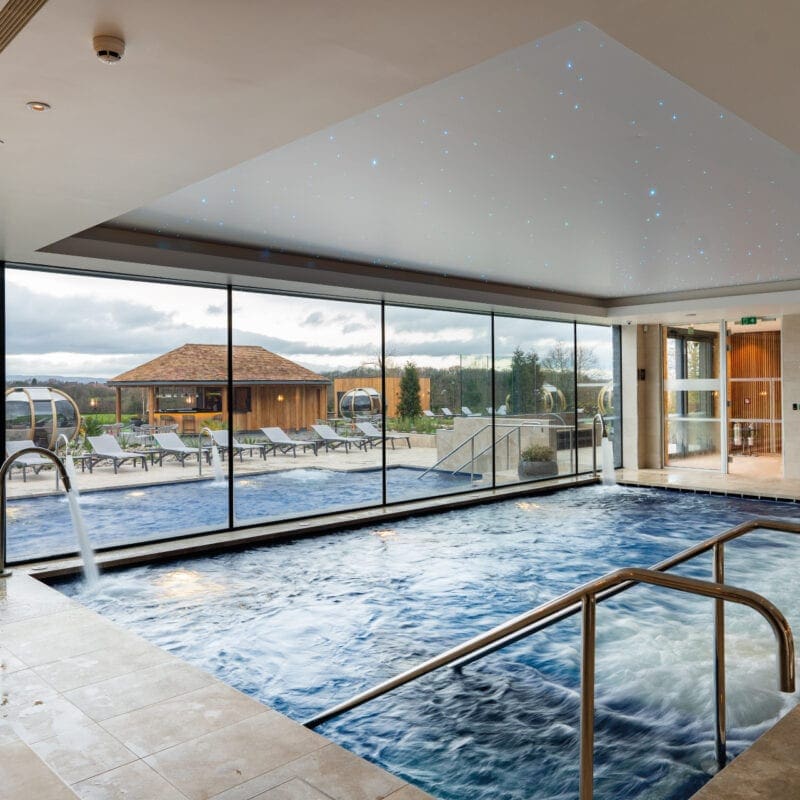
{"type": "Point", "coordinates": [570, 164]}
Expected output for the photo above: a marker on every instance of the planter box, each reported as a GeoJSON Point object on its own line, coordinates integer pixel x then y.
{"type": "Point", "coordinates": [537, 469]}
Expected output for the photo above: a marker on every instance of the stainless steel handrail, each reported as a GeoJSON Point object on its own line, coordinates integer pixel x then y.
{"type": "Point", "coordinates": [586, 597]}
{"type": "Point", "coordinates": [4, 468]}
{"type": "Point", "coordinates": [471, 441]}
{"type": "Point", "coordinates": [714, 544]}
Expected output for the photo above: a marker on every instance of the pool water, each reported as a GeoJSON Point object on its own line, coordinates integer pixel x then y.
{"type": "Point", "coordinates": [41, 526]}
{"type": "Point", "coordinates": [306, 624]}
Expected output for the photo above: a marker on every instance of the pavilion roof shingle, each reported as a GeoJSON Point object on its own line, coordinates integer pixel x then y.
{"type": "Point", "coordinates": [208, 363]}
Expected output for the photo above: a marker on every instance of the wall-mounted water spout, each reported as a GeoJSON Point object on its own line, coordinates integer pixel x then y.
{"type": "Point", "coordinates": [216, 463]}
{"type": "Point", "coordinates": [606, 451]}
{"type": "Point", "coordinates": [89, 566]}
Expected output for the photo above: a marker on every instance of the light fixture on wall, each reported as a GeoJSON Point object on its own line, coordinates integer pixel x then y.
{"type": "Point", "coordinates": [280, 398]}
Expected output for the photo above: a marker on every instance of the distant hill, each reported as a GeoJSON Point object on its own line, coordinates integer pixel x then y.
{"type": "Point", "coordinates": [24, 380]}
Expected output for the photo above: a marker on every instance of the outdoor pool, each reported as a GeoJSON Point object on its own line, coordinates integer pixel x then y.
{"type": "Point", "coordinates": [41, 526]}
{"type": "Point", "coordinates": [305, 624]}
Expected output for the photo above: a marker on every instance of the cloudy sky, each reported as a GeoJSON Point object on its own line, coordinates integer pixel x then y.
{"type": "Point", "coordinates": [99, 327]}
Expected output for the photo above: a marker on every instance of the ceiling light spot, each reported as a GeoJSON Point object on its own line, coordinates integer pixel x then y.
{"type": "Point", "coordinates": [38, 105]}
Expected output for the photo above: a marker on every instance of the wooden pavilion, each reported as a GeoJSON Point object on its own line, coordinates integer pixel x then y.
{"type": "Point", "coordinates": [188, 387]}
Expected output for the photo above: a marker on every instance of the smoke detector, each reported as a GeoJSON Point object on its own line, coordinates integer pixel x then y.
{"type": "Point", "coordinates": [109, 49]}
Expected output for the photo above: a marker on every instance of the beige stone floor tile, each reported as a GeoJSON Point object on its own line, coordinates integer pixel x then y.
{"type": "Point", "coordinates": [331, 770]}
{"type": "Point", "coordinates": [225, 758]}
{"type": "Point", "coordinates": [139, 689]}
{"type": "Point", "coordinates": [44, 718]}
{"type": "Point", "coordinates": [85, 751]}
{"type": "Point", "coordinates": [129, 654]}
{"type": "Point", "coordinates": [294, 789]}
{"type": "Point", "coordinates": [134, 781]}
{"type": "Point", "coordinates": [22, 688]}
{"type": "Point", "coordinates": [9, 662]}
{"type": "Point", "coordinates": [344, 776]}
{"type": "Point", "coordinates": [409, 792]}
{"type": "Point", "coordinates": [57, 636]}
{"type": "Point", "coordinates": [24, 776]}
{"type": "Point", "coordinates": [188, 716]}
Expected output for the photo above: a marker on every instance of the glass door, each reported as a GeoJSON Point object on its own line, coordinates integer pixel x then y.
{"type": "Point", "coordinates": [755, 429]}
{"type": "Point", "coordinates": [692, 396]}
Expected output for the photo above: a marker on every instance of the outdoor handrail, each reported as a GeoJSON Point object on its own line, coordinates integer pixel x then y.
{"type": "Point", "coordinates": [472, 438]}
{"type": "Point", "coordinates": [505, 437]}
{"type": "Point", "coordinates": [586, 596]}
{"type": "Point", "coordinates": [4, 468]}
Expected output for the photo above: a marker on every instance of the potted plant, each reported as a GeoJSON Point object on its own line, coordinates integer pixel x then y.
{"type": "Point", "coordinates": [537, 461]}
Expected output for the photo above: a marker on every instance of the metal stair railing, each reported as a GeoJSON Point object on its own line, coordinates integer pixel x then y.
{"type": "Point", "coordinates": [584, 599]}
{"type": "Point", "coordinates": [475, 456]}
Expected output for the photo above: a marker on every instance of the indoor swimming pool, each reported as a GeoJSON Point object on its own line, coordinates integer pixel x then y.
{"type": "Point", "coordinates": [306, 624]}
{"type": "Point", "coordinates": [40, 526]}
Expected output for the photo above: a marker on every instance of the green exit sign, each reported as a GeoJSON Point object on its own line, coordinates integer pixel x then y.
{"type": "Point", "coordinates": [748, 320]}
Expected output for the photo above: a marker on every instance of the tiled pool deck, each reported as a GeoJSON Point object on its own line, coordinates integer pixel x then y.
{"type": "Point", "coordinates": [93, 711]}
{"type": "Point", "coordinates": [90, 710]}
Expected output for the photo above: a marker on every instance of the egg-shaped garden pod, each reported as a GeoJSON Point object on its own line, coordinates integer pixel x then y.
{"type": "Point", "coordinates": [360, 403]}
{"type": "Point", "coordinates": [41, 414]}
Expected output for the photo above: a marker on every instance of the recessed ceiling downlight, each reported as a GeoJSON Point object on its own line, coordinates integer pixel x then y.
{"type": "Point", "coordinates": [38, 105]}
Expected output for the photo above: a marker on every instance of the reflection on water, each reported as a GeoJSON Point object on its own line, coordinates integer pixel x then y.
{"type": "Point", "coordinates": [183, 583]}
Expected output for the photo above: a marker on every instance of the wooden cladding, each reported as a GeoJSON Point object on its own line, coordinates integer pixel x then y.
{"type": "Point", "coordinates": [754, 392]}
{"type": "Point", "coordinates": [755, 355]}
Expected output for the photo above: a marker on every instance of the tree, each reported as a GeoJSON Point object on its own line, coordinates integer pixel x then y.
{"type": "Point", "coordinates": [526, 382]}
{"type": "Point", "coordinates": [410, 405]}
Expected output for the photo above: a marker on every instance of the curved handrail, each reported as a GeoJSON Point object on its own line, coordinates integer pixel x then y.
{"type": "Point", "coordinates": [585, 599]}
{"type": "Point", "coordinates": [673, 561]}
{"type": "Point", "coordinates": [622, 577]}
{"type": "Point", "coordinates": [4, 468]}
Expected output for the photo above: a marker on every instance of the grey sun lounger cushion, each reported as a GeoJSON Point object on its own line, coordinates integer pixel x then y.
{"type": "Point", "coordinates": [172, 444]}
{"type": "Point", "coordinates": [332, 440]}
{"type": "Point", "coordinates": [375, 436]}
{"type": "Point", "coordinates": [106, 447]}
{"type": "Point", "coordinates": [281, 442]}
{"type": "Point", "coordinates": [32, 461]}
{"type": "Point", "coordinates": [225, 443]}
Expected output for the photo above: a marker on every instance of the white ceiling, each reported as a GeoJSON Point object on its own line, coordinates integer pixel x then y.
{"type": "Point", "coordinates": [206, 86]}
{"type": "Point", "coordinates": [570, 164]}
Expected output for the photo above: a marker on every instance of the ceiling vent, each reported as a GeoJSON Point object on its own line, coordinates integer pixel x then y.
{"type": "Point", "coordinates": [14, 16]}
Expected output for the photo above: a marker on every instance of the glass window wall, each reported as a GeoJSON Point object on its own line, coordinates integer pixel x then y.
{"type": "Point", "coordinates": [535, 422]}
{"type": "Point", "coordinates": [321, 405]}
{"type": "Point", "coordinates": [438, 390]}
{"type": "Point", "coordinates": [88, 363]}
{"type": "Point", "coordinates": [306, 388]}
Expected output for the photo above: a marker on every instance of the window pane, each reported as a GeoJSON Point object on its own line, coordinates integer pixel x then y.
{"type": "Point", "coordinates": [103, 345]}
{"type": "Point", "coordinates": [597, 363]}
{"type": "Point", "coordinates": [438, 388]}
{"type": "Point", "coordinates": [306, 376]}
{"type": "Point", "coordinates": [535, 397]}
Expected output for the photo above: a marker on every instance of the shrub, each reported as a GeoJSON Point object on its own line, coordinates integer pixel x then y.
{"type": "Point", "coordinates": [537, 452]}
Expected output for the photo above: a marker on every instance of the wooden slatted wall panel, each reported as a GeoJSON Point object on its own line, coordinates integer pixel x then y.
{"type": "Point", "coordinates": [301, 406]}
{"type": "Point", "coordinates": [756, 355]}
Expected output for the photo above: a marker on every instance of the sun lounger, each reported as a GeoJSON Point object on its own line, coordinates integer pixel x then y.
{"type": "Point", "coordinates": [106, 447]}
{"type": "Point", "coordinates": [467, 412]}
{"type": "Point", "coordinates": [447, 412]}
{"type": "Point", "coordinates": [32, 461]}
{"type": "Point", "coordinates": [332, 440]}
{"type": "Point", "coordinates": [280, 442]}
{"type": "Point", "coordinates": [224, 443]}
{"type": "Point", "coordinates": [428, 413]}
{"type": "Point", "coordinates": [374, 435]}
{"type": "Point", "coordinates": [172, 445]}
